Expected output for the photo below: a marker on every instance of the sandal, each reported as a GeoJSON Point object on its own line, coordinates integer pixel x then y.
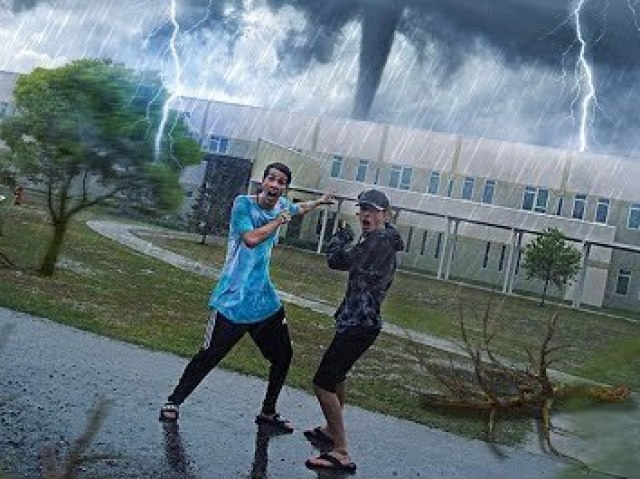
{"type": "Point", "coordinates": [332, 464]}
{"type": "Point", "coordinates": [317, 436]}
{"type": "Point", "coordinates": [169, 413]}
{"type": "Point", "coordinates": [276, 421]}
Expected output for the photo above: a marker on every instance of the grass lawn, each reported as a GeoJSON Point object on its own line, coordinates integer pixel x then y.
{"type": "Point", "coordinates": [109, 289]}
{"type": "Point", "coordinates": [597, 347]}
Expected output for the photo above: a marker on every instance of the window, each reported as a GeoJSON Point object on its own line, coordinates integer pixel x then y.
{"type": "Point", "coordinates": [487, 251]}
{"type": "Point", "coordinates": [602, 210]}
{"type": "Point", "coordinates": [218, 144]}
{"type": "Point", "coordinates": [400, 177]}
{"type": "Point", "coordinates": [518, 261]}
{"type": "Point", "coordinates": [559, 206]}
{"type": "Point", "coordinates": [394, 178]}
{"type": "Point", "coordinates": [634, 216]}
{"type": "Point", "coordinates": [450, 188]}
{"type": "Point", "coordinates": [434, 183]}
{"type": "Point", "coordinates": [438, 245]}
{"type": "Point", "coordinates": [423, 246]}
{"type": "Point", "coordinates": [535, 199]}
{"type": "Point", "coordinates": [503, 252]}
{"type": "Point", "coordinates": [361, 171]}
{"type": "Point", "coordinates": [467, 188]}
{"type": "Point", "coordinates": [336, 166]}
{"type": "Point", "coordinates": [624, 277]}
{"type": "Point", "coordinates": [407, 245]}
{"type": "Point", "coordinates": [579, 204]}
{"type": "Point", "coordinates": [528, 198]}
{"type": "Point", "coordinates": [487, 193]}
{"type": "Point", "coordinates": [377, 178]}
{"type": "Point", "coordinates": [4, 108]}
{"type": "Point", "coordinates": [542, 200]}
{"type": "Point", "coordinates": [405, 178]}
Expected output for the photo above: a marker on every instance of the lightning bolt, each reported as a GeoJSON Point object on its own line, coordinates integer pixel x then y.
{"type": "Point", "coordinates": [586, 80]}
{"type": "Point", "coordinates": [177, 77]}
{"type": "Point", "coordinates": [632, 6]}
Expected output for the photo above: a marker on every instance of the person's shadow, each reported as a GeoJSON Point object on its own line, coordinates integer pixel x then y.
{"type": "Point", "coordinates": [174, 451]}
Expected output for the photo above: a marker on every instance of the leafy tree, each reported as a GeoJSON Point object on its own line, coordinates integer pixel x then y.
{"type": "Point", "coordinates": [199, 218]}
{"type": "Point", "coordinates": [225, 177]}
{"type": "Point", "coordinates": [86, 132]}
{"type": "Point", "coordinates": [551, 259]}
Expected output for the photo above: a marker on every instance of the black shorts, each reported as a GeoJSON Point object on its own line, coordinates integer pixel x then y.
{"type": "Point", "coordinates": [345, 349]}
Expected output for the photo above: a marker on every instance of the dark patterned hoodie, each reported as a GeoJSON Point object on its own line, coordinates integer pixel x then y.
{"type": "Point", "coordinates": [371, 264]}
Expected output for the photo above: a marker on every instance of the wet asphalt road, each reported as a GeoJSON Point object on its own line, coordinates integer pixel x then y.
{"type": "Point", "coordinates": [52, 375]}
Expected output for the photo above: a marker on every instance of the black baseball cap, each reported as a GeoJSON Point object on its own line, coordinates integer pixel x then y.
{"type": "Point", "coordinates": [375, 198]}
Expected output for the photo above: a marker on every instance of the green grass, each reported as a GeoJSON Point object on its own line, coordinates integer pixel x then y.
{"type": "Point", "coordinates": [111, 290]}
{"type": "Point", "coordinates": [598, 347]}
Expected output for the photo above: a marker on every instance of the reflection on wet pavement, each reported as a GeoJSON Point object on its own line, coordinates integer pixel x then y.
{"type": "Point", "coordinates": [174, 450]}
{"type": "Point", "coordinates": [264, 433]}
{"type": "Point", "coordinates": [261, 457]}
{"type": "Point", "coordinates": [43, 362]}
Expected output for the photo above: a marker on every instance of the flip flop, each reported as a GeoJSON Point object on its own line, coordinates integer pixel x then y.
{"type": "Point", "coordinates": [318, 436]}
{"type": "Point", "coordinates": [334, 464]}
{"type": "Point", "coordinates": [276, 421]}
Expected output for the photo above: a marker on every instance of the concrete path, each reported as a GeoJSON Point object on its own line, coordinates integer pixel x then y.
{"type": "Point", "coordinates": [53, 374]}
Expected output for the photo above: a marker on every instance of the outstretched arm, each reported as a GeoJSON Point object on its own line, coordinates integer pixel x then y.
{"type": "Point", "coordinates": [307, 206]}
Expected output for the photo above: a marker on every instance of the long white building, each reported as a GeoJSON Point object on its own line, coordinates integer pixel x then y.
{"type": "Point", "coordinates": [466, 206]}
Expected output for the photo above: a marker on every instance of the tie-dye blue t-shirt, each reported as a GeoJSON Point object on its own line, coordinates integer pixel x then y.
{"type": "Point", "coordinates": [244, 292]}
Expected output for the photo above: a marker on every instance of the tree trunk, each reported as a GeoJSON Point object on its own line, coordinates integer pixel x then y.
{"type": "Point", "coordinates": [51, 257]}
{"type": "Point", "coordinates": [544, 292]}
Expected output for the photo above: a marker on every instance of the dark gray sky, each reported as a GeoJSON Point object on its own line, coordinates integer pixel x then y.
{"type": "Point", "coordinates": [505, 69]}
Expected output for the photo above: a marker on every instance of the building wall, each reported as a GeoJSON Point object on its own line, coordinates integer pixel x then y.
{"type": "Point", "coordinates": [513, 167]}
{"type": "Point", "coordinates": [631, 263]}
{"type": "Point", "coordinates": [309, 143]}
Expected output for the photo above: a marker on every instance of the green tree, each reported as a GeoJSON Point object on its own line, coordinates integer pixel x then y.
{"type": "Point", "coordinates": [550, 258]}
{"type": "Point", "coordinates": [86, 132]}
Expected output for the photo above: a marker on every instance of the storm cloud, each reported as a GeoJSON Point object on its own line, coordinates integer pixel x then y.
{"type": "Point", "coordinates": [519, 31]}
{"type": "Point", "coordinates": [504, 69]}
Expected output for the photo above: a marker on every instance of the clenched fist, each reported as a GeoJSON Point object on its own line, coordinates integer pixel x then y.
{"type": "Point", "coordinates": [284, 217]}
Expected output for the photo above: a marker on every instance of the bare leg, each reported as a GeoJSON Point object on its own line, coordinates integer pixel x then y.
{"type": "Point", "coordinates": [341, 393]}
{"type": "Point", "coordinates": [332, 409]}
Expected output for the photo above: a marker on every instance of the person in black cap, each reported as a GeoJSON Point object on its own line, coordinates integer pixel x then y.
{"type": "Point", "coordinates": [371, 263]}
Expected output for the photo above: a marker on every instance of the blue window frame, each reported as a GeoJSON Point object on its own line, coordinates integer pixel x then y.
{"type": "Point", "coordinates": [336, 166]}
{"type": "Point", "coordinates": [487, 192]}
{"type": "Point", "coordinates": [361, 170]}
{"type": "Point", "coordinates": [434, 183]}
{"type": "Point", "coordinates": [467, 188]}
